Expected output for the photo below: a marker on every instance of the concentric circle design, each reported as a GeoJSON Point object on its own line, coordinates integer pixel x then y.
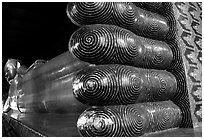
{"type": "Point", "coordinates": [129, 120]}
{"type": "Point", "coordinates": [96, 85]}
{"type": "Point", "coordinates": [134, 120]}
{"type": "Point", "coordinates": [126, 15]}
{"type": "Point", "coordinates": [123, 14]}
{"type": "Point", "coordinates": [164, 115]}
{"type": "Point", "coordinates": [84, 13]}
{"type": "Point", "coordinates": [118, 84]}
{"type": "Point", "coordinates": [162, 83]}
{"type": "Point", "coordinates": [109, 44]}
{"type": "Point", "coordinates": [143, 23]}
{"type": "Point", "coordinates": [107, 36]}
{"type": "Point", "coordinates": [149, 25]}
{"type": "Point", "coordinates": [181, 96]}
{"type": "Point", "coordinates": [104, 122]}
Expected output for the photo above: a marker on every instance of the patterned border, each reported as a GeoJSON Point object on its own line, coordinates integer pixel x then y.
{"type": "Point", "coordinates": [189, 23]}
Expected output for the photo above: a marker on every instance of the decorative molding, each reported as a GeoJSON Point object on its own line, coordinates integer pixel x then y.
{"type": "Point", "coordinates": [189, 23]}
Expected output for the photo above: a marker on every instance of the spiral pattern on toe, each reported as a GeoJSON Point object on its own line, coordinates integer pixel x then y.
{"type": "Point", "coordinates": [126, 15]}
{"type": "Point", "coordinates": [97, 85]}
{"type": "Point", "coordinates": [102, 44]}
{"type": "Point", "coordinates": [150, 24]}
{"type": "Point", "coordinates": [133, 119]}
{"type": "Point", "coordinates": [161, 83]}
{"type": "Point", "coordinates": [161, 26]}
{"type": "Point", "coordinates": [166, 115]}
{"type": "Point", "coordinates": [123, 14]}
{"type": "Point", "coordinates": [119, 84]}
{"type": "Point", "coordinates": [102, 122]}
{"type": "Point", "coordinates": [90, 12]}
{"type": "Point", "coordinates": [129, 120]}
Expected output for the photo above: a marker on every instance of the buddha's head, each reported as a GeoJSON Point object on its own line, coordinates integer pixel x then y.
{"type": "Point", "coordinates": [10, 69]}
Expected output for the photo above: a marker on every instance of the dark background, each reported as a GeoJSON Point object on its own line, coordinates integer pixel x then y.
{"type": "Point", "coordinates": [34, 30]}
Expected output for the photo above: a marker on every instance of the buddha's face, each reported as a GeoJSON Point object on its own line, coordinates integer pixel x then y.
{"type": "Point", "coordinates": [10, 69]}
